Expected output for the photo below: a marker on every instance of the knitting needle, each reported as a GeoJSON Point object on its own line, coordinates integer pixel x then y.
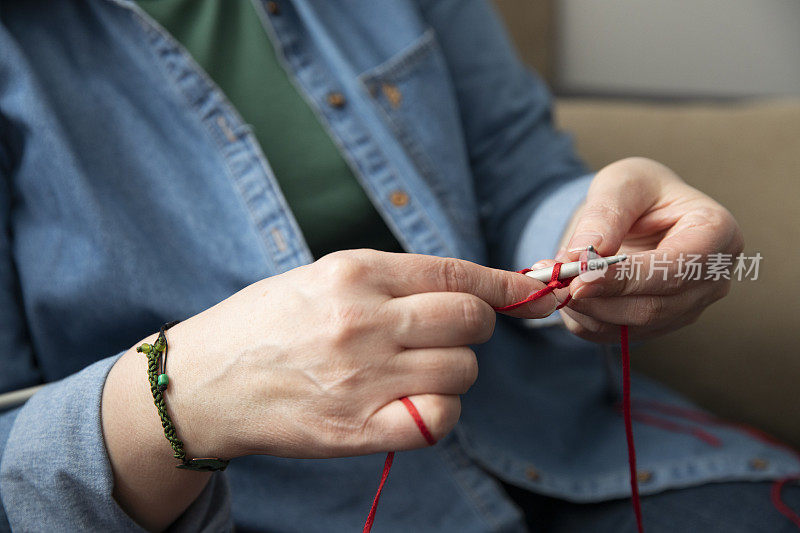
{"type": "Point", "coordinates": [17, 397]}
{"type": "Point", "coordinates": [569, 270]}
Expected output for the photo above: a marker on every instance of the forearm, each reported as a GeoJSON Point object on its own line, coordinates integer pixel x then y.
{"type": "Point", "coordinates": [146, 483]}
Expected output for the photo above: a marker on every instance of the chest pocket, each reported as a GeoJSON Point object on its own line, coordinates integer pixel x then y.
{"type": "Point", "coordinates": [416, 97]}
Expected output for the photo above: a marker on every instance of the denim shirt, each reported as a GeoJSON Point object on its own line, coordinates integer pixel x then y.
{"type": "Point", "coordinates": [131, 193]}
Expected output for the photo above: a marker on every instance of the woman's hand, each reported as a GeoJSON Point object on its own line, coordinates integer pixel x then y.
{"type": "Point", "coordinates": [639, 207]}
{"type": "Point", "coordinates": [310, 363]}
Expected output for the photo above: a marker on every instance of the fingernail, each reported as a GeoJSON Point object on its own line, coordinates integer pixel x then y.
{"type": "Point", "coordinates": [582, 240]}
{"type": "Point", "coordinates": [538, 265]}
{"type": "Point", "coordinates": [588, 291]}
{"type": "Point", "coordinates": [561, 255]}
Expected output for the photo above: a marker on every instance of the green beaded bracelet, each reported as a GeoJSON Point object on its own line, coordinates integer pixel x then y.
{"type": "Point", "coordinates": [159, 381]}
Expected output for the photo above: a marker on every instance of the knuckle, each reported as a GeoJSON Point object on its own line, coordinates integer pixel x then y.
{"type": "Point", "coordinates": [604, 215]}
{"type": "Point", "coordinates": [507, 285]}
{"type": "Point", "coordinates": [648, 311]}
{"type": "Point", "coordinates": [714, 217]}
{"type": "Point", "coordinates": [468, 370]}
{"type": "Point", "coordinates": [477, 317]}
{"type": "Point", "coordinates": [453, 274]}
{"type": "Point", "coordinates": [344, 267]}
{"type": "Point", "coordinates": [404, 321]}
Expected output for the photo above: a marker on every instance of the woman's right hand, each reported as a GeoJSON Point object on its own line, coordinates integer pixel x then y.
{"type": "Point", "coordinates": [311, 363]}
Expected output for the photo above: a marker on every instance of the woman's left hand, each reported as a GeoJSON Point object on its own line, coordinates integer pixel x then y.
{"type": "Point", "coordinates": [641, 208]}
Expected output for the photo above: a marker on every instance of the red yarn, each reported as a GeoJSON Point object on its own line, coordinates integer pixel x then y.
{"type": "Point", "coordinates": [626, 415]}
{"type": "Point", "coordinates": [669, 425]}
{"type": "Point", "coordinates": [552, 285]}
{"type": "Point", "coordinates": [412, 410]}
{"type": "Point", "coordinates": [705, 418]}
{"type": "Point", "coordinates": [387, 464]}
{"type": "Point", "coordinates": [775, 496]}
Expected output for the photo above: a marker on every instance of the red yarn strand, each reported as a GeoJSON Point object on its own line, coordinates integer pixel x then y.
{"type": "Point", "coordinates": [412, 410]}
{"type": "Point", "coordinates": [387, 465]}
{"type": "Point", "coordinates": [705, 418]}
{"type": "Point", "coordinates": [552, 285]}
{"type": "Point", "coordinates": [626, 415]}
{"type": "Point", "coordinates": [780, 505]}
{"type": "Point", "coordinates": [669, 425]}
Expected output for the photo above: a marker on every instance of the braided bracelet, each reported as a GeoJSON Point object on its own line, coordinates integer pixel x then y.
{"type": "Point", "coordinates": [159, 381]}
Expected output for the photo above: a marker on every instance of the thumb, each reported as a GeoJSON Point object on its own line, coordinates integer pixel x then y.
{"type": "Point", "coordinates": [617, 197]}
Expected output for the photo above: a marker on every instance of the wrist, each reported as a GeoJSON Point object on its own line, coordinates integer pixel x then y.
{"type": "Point", "coordinates": [146, 483]}
{"type": "Point", "coordinates": [191, 398]}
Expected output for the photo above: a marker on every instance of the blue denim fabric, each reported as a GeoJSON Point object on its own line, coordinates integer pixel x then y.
{"type": "Point", "coordinates": [131, 193]}
{"type": "Point", "coordinates": [62, 421]}
{"type": "Point", "coordinates": [733, 507]}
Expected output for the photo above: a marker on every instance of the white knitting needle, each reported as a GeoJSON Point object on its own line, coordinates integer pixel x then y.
{"type": "Point", "coordinates": [17, 397]}
{"type": "Point", "coordinates": [569, 270]}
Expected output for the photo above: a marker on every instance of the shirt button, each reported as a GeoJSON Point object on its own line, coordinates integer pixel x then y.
{"type": "Point", "coordinates": [279, 240]}
{"type": "Point", "coordinates": [273, 8]}
{"type": "Point", "coordinates": [336, 99]}
{"type": "Point", "coordinates": [759, 463]}
{"type": "Point", "coordinates": [643, 476]}
{"type": "Point", "coordinates": [392, 94]}
{"type": "Point", "coordinates": [399, 198]}
{"type": "Point", "coordinates": [532, 474]}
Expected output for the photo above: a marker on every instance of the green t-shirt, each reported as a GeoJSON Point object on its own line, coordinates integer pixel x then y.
{"type": "Point", "coordinates": [227, 38]}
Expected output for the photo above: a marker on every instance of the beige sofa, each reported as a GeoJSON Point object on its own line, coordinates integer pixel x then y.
{"type": "Point", "coordinates": [742, 358]}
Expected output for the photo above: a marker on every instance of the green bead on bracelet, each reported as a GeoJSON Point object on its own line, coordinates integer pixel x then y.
{"type": "Point", "coordinates": [156, 373]}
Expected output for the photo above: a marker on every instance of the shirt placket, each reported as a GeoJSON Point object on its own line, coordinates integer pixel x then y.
{"type": "Point", "coordinates": [247, 166]}
{"type": "Point", "coordinates": [408, 210]}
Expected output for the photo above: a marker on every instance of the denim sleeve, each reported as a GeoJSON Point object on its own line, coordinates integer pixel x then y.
{"type": "Point", "coordinates": [517, 156]}
{"type": "Point", "coordinates": [55, 474]}
{"type": "Point", "coordinates": [542, 233]}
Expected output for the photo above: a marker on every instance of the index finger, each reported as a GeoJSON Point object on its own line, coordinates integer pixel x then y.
{"type": "Point", "coordinates": [412, 274]}
{"type": "Point", "coordinates": [683, 257]}
{"type": "Point", "coordinates": [612, 206]}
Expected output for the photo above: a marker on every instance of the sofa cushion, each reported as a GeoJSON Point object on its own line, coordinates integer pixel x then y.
{"type": "Point", "coordinates": [742, 358]}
